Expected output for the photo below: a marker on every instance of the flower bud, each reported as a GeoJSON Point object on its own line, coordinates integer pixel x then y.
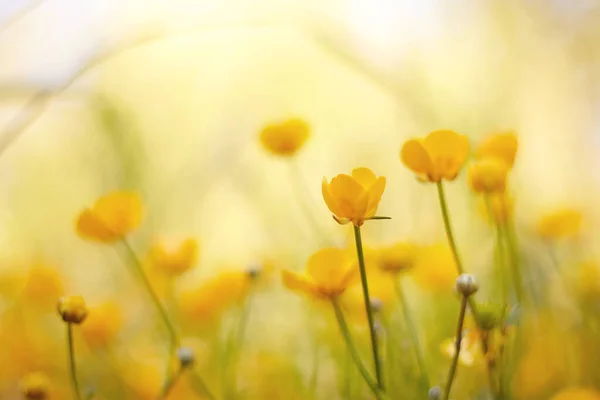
{"type": "Point", "coordinates": [466, 285]}
{"type": "Point", "coordinates": [72, 309]}
{"type": "Point", "coordinates": [186, 356]}
{"type": "Point", "coordinates": [254, 270]}
{"type": "Point", "coordinates": [376, 304]}
{"type": "Point", "coordinates": [435, 393]}
{"type": "Point", "coordinates": [35, 386]}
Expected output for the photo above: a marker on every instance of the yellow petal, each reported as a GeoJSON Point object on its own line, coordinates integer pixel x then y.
{"type": "Point", "coordinates": [415, 157]}
{"type": "Point", "coordinates": [350, 197]}
{"type": "Point", "coordinates": [488, 175]}
{"type": "Point", "coordinates": [298, 283]}
{"type": "Point", "coordinates": [375, 193]}
{"type": "Point", "coordinates": [448, 152]}
{"type": "Point", "coordinates": [364, 176]}
{"type": "Point", "coordinates": [285, 138]}
{"type": "Point", "coordinates": [503, 146]}
{"type": "Point", "coordinates": [89, 227]}
{"type": "Point", "coordinates": [120, 212]}
{"type": "Point", "coordinates": [329, 200]}
{"type": "Point", "coordinates": [329, 270]}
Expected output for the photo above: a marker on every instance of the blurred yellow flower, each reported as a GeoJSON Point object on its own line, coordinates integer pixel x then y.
{"type": "Point", "coordinates": [559, 224]}
{"type": "Point", "coordinates": [36, 386]}
{"type": "Point", "coordinates": [72, 309]}
{"type": "Point", "coordinates": [435, 268]}
{"type": "Point", "coordinates": [353, 198]}
{"type": "Point", "coordinates": [212, 297]}
{"type": "Point", "coordinates": [470, 350]}
{"type": "Point", "coordinates": [440, 155]}
{"type": "Point", "coordinates": [102, 325]}
{"type": "Point", "coordinates": [381, 292]}
{"type": "Point", "coordinates": [44, 287]}
{"type": "Point", "coordinates": [397, 258]}
{"type": "Point", "coordinates": [488, 175]}
{"type": "Point", "coordinates": [111, 218]}
{"type": "Point", "coordinates": [502, 146]}
{"type": "Point", "coordinates": [577, 394]}
{"type": "Point", "coordinates": [497, 207]}
{"type": "Point", "coordinates": [285, 138]}
{"type": "Point", "coordinates": [329, 272]}
{"type": "Point", "coordinates": [176, 260]}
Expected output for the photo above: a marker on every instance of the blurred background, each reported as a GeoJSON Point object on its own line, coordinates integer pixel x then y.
{"type": "Point", "coordinates": [167, 98]}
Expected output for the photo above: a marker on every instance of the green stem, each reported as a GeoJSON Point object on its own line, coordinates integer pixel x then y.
{"type": "Point", "coordinates": [170, 383]}
{"type": "Point", "coordinates": [348, 376]}
{"type": "Point", "coordinates": [139, 269]}
{"type": "Point", "coordinates": [459, 330]}
{"type": "Point", "coordinates": [368, 308]}
{"type": "Point", "coordinates": [352, 349]}
{"type": "Point", "coordinates": [236, 343]}
{"type": "Point", "coordinates": [72, 364]}
{"type": "Point", "coordinates": [507, 233]}
{"type": "Point", "coordinates": [201, 386]}
{"type": "Point", "coordinates": [412, 330]}
{"type": "Point", "coordinates": [314, 374]}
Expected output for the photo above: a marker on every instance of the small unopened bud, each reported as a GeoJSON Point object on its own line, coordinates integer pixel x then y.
{"type": "Point", "coordinates": [435, 393]}
{"type": "Point", "coordinates": [376, 304]}
{"type": "Point", "coordinates": [254, 270]}
{"type": "Point", "coordinates": [72, 309]}
{"type": "Point", "coordinates": [466, 285]}
{"type": "Point", "coordinates": [186, 356]}
{"type": "Point", "coordinates": [35, 386]}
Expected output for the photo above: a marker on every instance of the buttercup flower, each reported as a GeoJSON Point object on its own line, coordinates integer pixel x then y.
{"type": "Point", "coordinates": [488, 175]}
{"type": "Point", "coordinates": [560, 224]}
{"type": "Point", "coordinates": [440, 155]}
{"type": "Point", "coordinates": [501, 146]}
{"type": "Point", "coordinates": [577, 394]}
{"type": "Point", "coordinates": [35, 386]}
{"type": "Point", "coordinates": [102, 325]}
{"type": "Point", "coordinates": [329, 272]}
{"type": "Point", "coordinates": [499, 205]}
{"type": "Point", "coordinates": [175, 260]}
{"type": "Point", "coordinates": [353, 198]}
{"type": "Point", "coordinates": [285, 138]}
{"type": "Point", "coordinates": [111, 218]}
{"type": "Point", "coordinates": [72, 309]}
{"type": "Point", "coordinates": [397, 258]}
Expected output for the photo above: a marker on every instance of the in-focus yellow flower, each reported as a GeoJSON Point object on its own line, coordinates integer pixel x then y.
{"type": "Point", "coordinates": [353, 198]}
{"type": "Point", "coordinates": [435, 268]}
{"type": "Point", "coordinates": [470, 350]}
{"type": "Point", "coordinates": [176, 260]}
{"type": "Point", "coordinates": [285, 138]}
{"type": "Point", "coordinates": [329, 272]}
{"type": "Point", "coordinates": [213, 296]}
{"type": "Point", "coordinates": [577, 394]}
{"type": "Point", "coordinates": [111, 218]}
{"type": "Point", "coordinates": [488, 175]}
{"type": "Point", "coordinates": [501, 146]}
{"type": "Point", "coordinates": [72, 309]}
{"type": "Point", "coordinates": [440, 155]}
{"type": "Point", "coordinates": [397, 258]}
{"type": "Point", "coordinates": [560, 224]}
{"type": "Point", "coordinates": [102, 325]}
{"type": "Point", "coordinates": [36, 386]}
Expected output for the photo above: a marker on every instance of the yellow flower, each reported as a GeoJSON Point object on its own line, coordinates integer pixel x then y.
{"type": "Point", "coordinates": [499, 205]}
{"type": "Point", "coordinates": [35, 386]}
{"type": "Point", "coordinates": [435, 268]}
{"type": "Point", "coordinates": [353, 198]}
{"type": "Point", "coordinates": [577, 394]}
{"type": "Point", "coordinates": [285, 138]}
{"type": "Point", "coordinates": [102, 325]}
{"type": "Point", "coordinates": [440, 155]}
{"type": "Point", "coordinates": [397, 258]}
{"type": "Point", "coordinates": [470, 350]}
{"type": "Point", "coordinates": [212, 297]}
{"type": "Point", "coordinates": [111, 218]}
{"type": "Point", "coordinates": [329, 272]}
{"type": "Point", "coordinates": [175, 261]}
{"type": "Point", "coordinates": [502, 146]}
{"type": "Point", "coordinates": [44, 287]}
{"type": "Point", "coordinates": [72, 309]}
{"type": "Point", "coordinates": [488, 175]}
{"type": "Point", "coordinates": [560, 224]}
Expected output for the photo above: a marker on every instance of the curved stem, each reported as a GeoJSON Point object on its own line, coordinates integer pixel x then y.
{"type": "Point", "coordinates": [352, 349]}
{"type": "Point", "coordinates": [170, 383]}
{"type": "Point", "coordinates": [201, 386]}
{"type": "Point", "coordinates": [412, 330]}
{"type": "Point", "coordinates": [368, 308]}
{"type": "Point", "coordinates": [73, 367]}
{"type": "Point", "coordinates": [459, 329]}
{"type": "Point", "coordinates": [137, 265]}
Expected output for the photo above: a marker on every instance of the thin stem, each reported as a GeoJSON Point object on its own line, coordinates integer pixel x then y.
{"type": "Point", "coordinates": [459, 330]}
{"type": "Point", "coordinates": [314, 374]}
{"type": "Point", "coordinates": [170, 383]}
{"type": "Point", "coordinates": [412, 330]}
{"type": "Point", "coordinates": [347, 376]}
{"type": "Point", "coordinates": [137, 265]}
{"type": "Point", "coordinates": [507, 233]}
{"type": "Point", "coordinates": [236, 343]}
{"type": "Point", "coordinates": [368, 309]}
{"type": "Point", "coordinates": [201, 386]}
{"type": "Point", "coordinates": [72, 364]}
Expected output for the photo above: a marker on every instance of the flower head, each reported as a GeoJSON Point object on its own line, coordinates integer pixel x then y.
{"type": "Point", "coordinates": [560, 224]}
{"type": "Point", "coordinates": [488, 175]}
{"type": "Point", "coordinates": [501, 146]}
{"type": "Point", "coordinates": [285, 138]}
{"type": "Point", "coordinates": [72, 309]}
{"type": "Point", "coordinates": [111, 218]}
{"type": "Point", "coordinates": [397, 258]}
{"type": "Point", "coordinates": [440, 155]}
{"type": "Point", "coordinates": [102, 325]}
{"type": "Point", "coordinates": [43, 287]}
{"type": "Point", "coordinates": [329, 272]}
{"type": "Point", "coordinates": [35, 386]}
{"type": "Point", "coordinates": [354, 198]}
{"type": "Point", "coordinates": [175, 260]}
